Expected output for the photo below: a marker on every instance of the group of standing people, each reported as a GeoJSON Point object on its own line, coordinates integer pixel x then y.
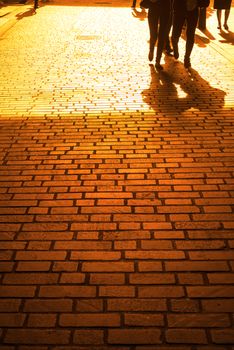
{"type": "Point", "coordinates": [164, 14]}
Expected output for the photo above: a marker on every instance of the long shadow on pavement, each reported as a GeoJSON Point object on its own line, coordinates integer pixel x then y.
{"type": "Point", "coordinates": [28, 13]}
{"type": "Point", "coordinates": [177, 90]}
{"type": "Point", "coordinates": [228, 37]}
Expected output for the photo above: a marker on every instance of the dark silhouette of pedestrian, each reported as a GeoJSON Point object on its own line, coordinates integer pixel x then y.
{"type": "Point", "coordinates": [159, 20]}
{"type": "Point", "coordinates": [220, 5]}
{"type": "Point", "coordinates": [184, 11]}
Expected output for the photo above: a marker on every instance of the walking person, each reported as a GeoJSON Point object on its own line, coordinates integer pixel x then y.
{"type": "Point", "coordinates": [159, 20]}
{"type": "Point", "coordinates": [184, 11]}
{"type": "Point", "coordinates": [220, 5]}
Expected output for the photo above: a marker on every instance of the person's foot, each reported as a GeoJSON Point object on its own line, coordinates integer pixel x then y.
{"type": "Point", "coordinates": [168, 50]}
{"type": "Point", "coordinates": [151, 55]}
{"type": "Point", "coordinates": [158, 66]}
{"type": "Point", "coordinates": [187, 62]}
{"type": "Point", "coordinates": [225, 26]}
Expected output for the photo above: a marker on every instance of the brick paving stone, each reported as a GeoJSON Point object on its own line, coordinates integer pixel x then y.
{"type": "Point", "coordinates": [116, 183]}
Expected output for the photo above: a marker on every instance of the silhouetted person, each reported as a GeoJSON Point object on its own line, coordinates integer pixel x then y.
{"type": "Point", "coordinates": [158, 18]}
{"type": "Point", "coordinates": [220, 5]}
{"type": "Point", "coordinates": [184, 10]}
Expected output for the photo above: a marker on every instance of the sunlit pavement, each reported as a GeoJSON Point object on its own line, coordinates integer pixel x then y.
{"type": "Point", "coordinates": [116, 184]}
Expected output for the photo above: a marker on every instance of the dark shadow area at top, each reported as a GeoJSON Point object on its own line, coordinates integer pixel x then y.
{"type": "Point", "coordinates": [194, 91]}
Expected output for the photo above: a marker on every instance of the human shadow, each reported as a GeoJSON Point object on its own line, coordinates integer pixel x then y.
{"type": "Point", "coordinates": [141, 15]}
{"type": "Point", "coordinates": [227, 36]}
{"type": "Point", "coordinates": [208, 34]}
{"type": "Point", "coordinates": [201, 41]}
{"type": "Point", "coordinates": [28, 13]}
{"type": "Point", "coordinates": [4, 15]}
{"type": "Point", "coordinates": [161, 92]}
{"type": "Point", "coordinates": [177, 90]}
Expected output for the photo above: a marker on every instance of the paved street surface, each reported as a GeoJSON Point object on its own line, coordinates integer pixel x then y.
{"type": "Point", "coordinates": [116, 183]}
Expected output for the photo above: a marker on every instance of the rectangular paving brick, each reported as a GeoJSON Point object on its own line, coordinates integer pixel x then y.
{"type": "Point", "coordinates": [88, 337]}
{"type": "Point", "coordinates": [48, 305]}
{"type": "Point", "coordinates": [195, 320]}
{"type": "Point", "coordinates": [67, 291]}
{"type": "Point", "coordinates": [90, 320]}
{"type": "Point", "coordinates": [22, 336]}
{"type": "Point", "coordinates": [186, 336]}
{"type": "Point", "coordinates": [134, 304]}
{"type": "Point", "coordinates": [134, 336]}
{"type": "Point", "coordinates": [224, 336]}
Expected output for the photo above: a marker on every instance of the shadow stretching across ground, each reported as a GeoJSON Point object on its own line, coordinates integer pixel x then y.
{"type": "Point", "coordinates": [228, 37]}
{"type": "Point", "coordinates": [141, 15]}
{"type": "Point", "coordinates": [28, 13]}
{"type": "Point", "coordinates": [178, 90]}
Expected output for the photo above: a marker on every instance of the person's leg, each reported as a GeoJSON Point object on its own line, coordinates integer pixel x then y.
{"type": "Point", "coordinates": [178, 22]}
{"type": "Point", "coordinates": [192, 19]}
{"type": "Point", "coordinates": [162, 34]}
{"type": "Point", "coordinates": [219, 18]}
{"type": "Point", "coordinates": [134, 4]}
{"type": "Point", "coordinates": [226, 15]}
{"type": "Point", "coordinates": [167, 39]}
{"type": "Point", "coordinates": [153, 18]}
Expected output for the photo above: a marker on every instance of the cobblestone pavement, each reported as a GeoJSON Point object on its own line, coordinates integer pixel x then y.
{"type": "Point", "coordinates": [116, 185]}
